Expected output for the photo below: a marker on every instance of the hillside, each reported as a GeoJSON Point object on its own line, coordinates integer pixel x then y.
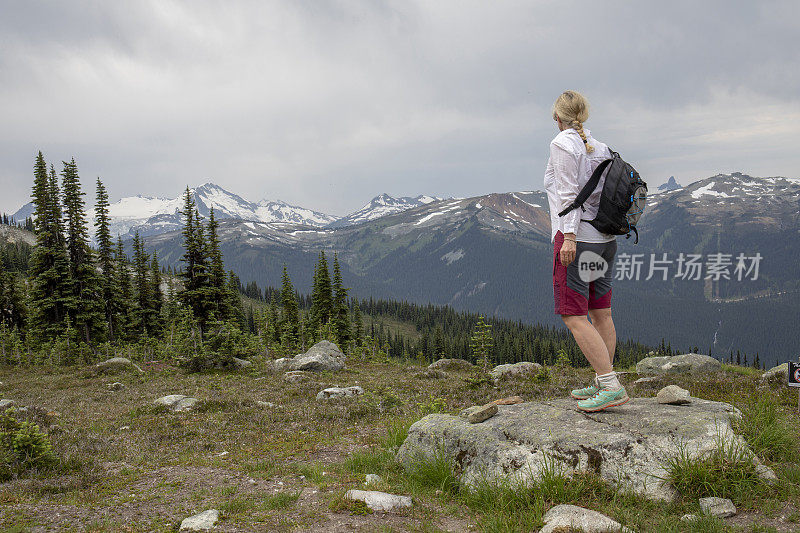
{"type": "Point", "coordinates": [270, 457]}
{"type": "Point", "coordinates": [491, 254]}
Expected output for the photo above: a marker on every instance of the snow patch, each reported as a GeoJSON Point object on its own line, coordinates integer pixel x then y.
{"type": "Point", "coordinates": [452, 257]}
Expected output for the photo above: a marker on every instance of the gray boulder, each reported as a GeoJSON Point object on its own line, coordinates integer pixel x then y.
{"type": "Point", "coordinates": [628, 446]}
{"type": "Point", "coordinates": [339, 392]}
{"type": "Point", "coordinates": [324, 355]}
{"type": "Point", "coordinates": [240, 364]}
{"type": "Point", "coordinates": [200, 522]}
{"type": "Point", "coordinates": [777, 374]}
{"type": "Point", "coordinates": [282, 365]}
{"type": "Point", "coordinates": [524, 369]}
{"type": "Point", "coordinates": [573, 518]}
{"type": "Point", "coordinates": [176, 402]}
{"type": "Point", "coordinates": [116, 365]}
{"type": "Point", "coordinates": [678, 364]}
{"type": "Point", "coordinates": [116, 386]}
{"type": "Point", "coordinates": [719, 507]}
{"type": "Point", "coordinates": [673, 395]}
{"type": "Point", "coordinates": [379, 501]}
{"type": "Point", "coordinates": [431, 373]}
{"type": "Point", "coordinates": [451, 364]}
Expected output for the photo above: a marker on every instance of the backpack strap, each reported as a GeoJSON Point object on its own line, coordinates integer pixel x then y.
{"type": "Point", "coordinates": [589, 188]}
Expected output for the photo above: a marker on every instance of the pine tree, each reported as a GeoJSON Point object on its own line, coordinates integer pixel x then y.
{"type": "Point", "coordinates": [50, 294]}
{"type": "Point", "coordinates": [196, 292]}
{"type": "Point", "coordinates": [358, 325]}
{"type": "Point", "coordinates": [233, 300]}
{"type": "Point", "coordinates": [220, 296]}
{"type": "Point", "coordinates": [143, 311]}
{"type": "Point", "coordinates": [88, 295]}
{"type": "Point", "coordinates": [481, 343]}
{"type": "Point", "coordinates": [125, 296]}
{"type": "Point", "coordinates": [290, 314]}
{"type": "Point", "coordinates": [156, 294]}
{"type": "Point", "coordinates": [341, 318]}
{"type": "Point", "coordinates": [105, 260]}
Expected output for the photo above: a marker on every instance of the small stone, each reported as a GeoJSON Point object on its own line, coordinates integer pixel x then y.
{"type": "Point", "coordinates": [118, 364]}
{"type": "Point", "coordinates": [764, 472]}
{"type": "Point", "coordinates": [479, 413]}
{"type": "Point", "coordinates": [689, 518]}
{"type": "Point", "coordinates": [451, 364]}
{"type": "Point", "coordinates": [176, 402]}
{"type": "Point", "coordinates": [124, 428]}
{"type": "Point", "coordinates": [116, 386]}
{"type": "Point", "coordinates": [373, 479]}
{"type": "Point", "coordinates": [573, 518]}
{"type": "Point", "coordinates": [240, 364]}
{"type": "Point", "coordinates": [379, 501]}
{"type": "Point", "coordinates": [252, 481]}
{"type": "Point", "coordinates": [673, 395]}
{"type": "Point", "coordinates": [264, 404]}
{"type": "Point", "coordinates": [339, 392]}
{"type": "Point", "coordinates": [200, 522]}
{"type": "Point", "coordinates": [5, 404]}
{"type": "Point", "coordinates": [647, 379]}
{"type": "Point", "coordinates": [296, 376]}
{"type": "Point", "coordinates": [511, 400]}
{"type": "Point", "coordinates": [718, 507]}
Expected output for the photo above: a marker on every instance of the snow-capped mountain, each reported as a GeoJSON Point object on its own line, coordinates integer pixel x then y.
{"type": "Point", "coordinates": [380, 206]}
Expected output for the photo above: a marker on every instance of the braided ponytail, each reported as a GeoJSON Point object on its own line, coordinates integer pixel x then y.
{"type": "Point", "coordinates": [579, 128]}
{"type": "Point", "coordinates": [573, 109]}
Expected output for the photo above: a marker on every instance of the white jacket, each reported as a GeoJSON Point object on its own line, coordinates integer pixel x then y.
{"type": "Point", "coordinates": [568, 170]}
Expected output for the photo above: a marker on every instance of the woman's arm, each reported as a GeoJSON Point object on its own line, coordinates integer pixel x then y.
{"type": "Point", "coordinates": [565, 169]}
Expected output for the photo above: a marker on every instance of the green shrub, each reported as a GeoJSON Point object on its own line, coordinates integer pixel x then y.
{"type": "Point", "coordinates": [766, 432]}
{"type": "Point", "coordinates": [727, 472]}
{"type": "Point", "coordinates": [434, 472]}
{"type": "Point", "coordinates": [23, 446]}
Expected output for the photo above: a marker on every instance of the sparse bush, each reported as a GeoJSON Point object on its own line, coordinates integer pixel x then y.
{"type": "Point", "coordinates": [435, 472]}
{"type": "Point", "coordinates": [766, 432]}
{"type": "Point", "coordinates": [727, 472]}
{"type": "Point", "coordinates": [340, 504]}
{"type": "Point", "coordinates": [543, 376]}
{"type": "Point", "coordinates": [396, 433]}
{"type": "Point", "coordinates": [23, 446]}
{"type": "Point", "coordinates": [432, 405]}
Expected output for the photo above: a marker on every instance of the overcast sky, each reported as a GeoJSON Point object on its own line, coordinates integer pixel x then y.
{"type": "Point", "coordinates": [326, 104]}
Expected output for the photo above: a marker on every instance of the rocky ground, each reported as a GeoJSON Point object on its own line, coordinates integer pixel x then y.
{"type": "Point", "coordinates": [270, 453]}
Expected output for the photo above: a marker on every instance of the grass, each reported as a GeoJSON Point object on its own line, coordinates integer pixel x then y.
{"type": "Point", "coordinates": [167, 465]}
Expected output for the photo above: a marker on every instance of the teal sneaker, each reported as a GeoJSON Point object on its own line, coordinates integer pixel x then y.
{"type": "Point", "coordinates": [586, 392]}
{"type": "Point", "coordinates": [603, 400]}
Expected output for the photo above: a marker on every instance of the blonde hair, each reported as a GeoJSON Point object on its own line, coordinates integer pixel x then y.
{"type": "Point", "coordinates": [573, 110]}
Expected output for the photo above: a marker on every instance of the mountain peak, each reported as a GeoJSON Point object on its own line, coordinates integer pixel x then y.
{"type": "Point", "coordinates": [670, 185]}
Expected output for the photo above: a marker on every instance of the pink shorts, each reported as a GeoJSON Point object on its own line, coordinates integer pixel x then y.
{"type": "Point", "coordinates": [586, 282]}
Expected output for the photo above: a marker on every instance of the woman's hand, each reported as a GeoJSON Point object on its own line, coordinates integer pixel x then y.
{"type": "Point", "coordinates": [567, 252]}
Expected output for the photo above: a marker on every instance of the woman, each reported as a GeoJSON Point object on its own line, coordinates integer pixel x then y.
{"type": "Point", "coordinates": [581, 287]}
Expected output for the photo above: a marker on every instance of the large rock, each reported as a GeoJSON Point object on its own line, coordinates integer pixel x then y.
{"type": "Point", "coordinates": [176, 402]}
{"type": "Point", "coordinates": [324, 355]}
{"type": "Point", "coordinates": [451, 364]}
{"type": "Point", "coordinates": [116, 365]}
{"type": "Point", "coordinates": [241, 364]}
{"type": "Point", "coordinates": [678, 364]}
{"type": "Point", "coordinates": [379, 501]}
{"type": "Point", "coordinates": [777, 374]}
{"type": "Point", "coordinates": [524, 369]}
{"type": "Point", "coordinates": [201, 522]}
{"type": "Point", "coordinates": [339, 392]}
{"type": "Point", "coordinates": [563, 518]}
{"type": "Point", "coordinates": [627, 445]}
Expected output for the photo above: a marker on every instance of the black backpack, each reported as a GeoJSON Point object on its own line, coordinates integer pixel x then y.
{"type": "Point", "coordinates": [622, 201]}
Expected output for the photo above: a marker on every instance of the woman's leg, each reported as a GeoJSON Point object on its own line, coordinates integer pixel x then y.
{"type": "Point", "coordinates": [590, 342]}
{"type": "Point", "coordinates": [603, 323]}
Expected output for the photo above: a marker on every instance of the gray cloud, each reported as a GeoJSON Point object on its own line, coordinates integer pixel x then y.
{"type": "Point", "coordinates": [325, 104]}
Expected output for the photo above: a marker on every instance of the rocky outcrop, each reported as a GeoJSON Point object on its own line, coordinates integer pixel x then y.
{"type": "Point", "coordinates": [562, 518]}
{"type": "Point", "coordinates": [451, 364]}
{"type": "Point", "coordinates": [324, 355]}
{"type": "Point", "coordinates": [524, 369]}
{"type": "Point", "coordinates": [678, 364]}
{"type": "Point", "coordinates": [628, 445]}
{"type": "Point", "coordinates": [116, 365]}
{"type": "Point", "coordinates": [777, 374]}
